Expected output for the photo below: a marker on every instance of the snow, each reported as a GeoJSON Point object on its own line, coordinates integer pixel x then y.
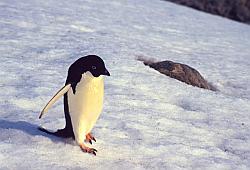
{"type": "Point", "coordinates": [149, 121]}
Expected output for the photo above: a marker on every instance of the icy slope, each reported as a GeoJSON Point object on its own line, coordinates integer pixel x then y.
{"type": "Point", "coordinates": [149, 121]}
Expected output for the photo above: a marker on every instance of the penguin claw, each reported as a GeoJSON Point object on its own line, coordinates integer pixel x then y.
{"type": "Point", "coordinates": [91, 151]}
{"type": "Point", "coordinates": [89, 138]}
{"type": "Point", "coordinates": [88, 150]}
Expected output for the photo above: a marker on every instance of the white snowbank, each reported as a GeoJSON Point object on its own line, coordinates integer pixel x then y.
{"type": "Point", "coordinates": [149, 121]}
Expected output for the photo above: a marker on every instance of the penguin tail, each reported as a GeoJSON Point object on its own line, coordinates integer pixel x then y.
{"type": "Point", "coordinates": [59, 133]}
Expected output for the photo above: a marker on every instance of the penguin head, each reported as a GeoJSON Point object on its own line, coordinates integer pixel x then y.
{"type": "Point", "coordinates": [96, 66]}
{"type": "Point", "coordinates": [92, 63]}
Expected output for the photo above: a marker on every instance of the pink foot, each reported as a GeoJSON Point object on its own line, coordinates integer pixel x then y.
{"type": "Point", "coordinates": [89, 138]}
{"type": "Point", "coordinates": [88, 150]}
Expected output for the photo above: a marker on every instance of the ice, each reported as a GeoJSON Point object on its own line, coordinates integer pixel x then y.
{"type": "Point", "coordinates": [149, 120]}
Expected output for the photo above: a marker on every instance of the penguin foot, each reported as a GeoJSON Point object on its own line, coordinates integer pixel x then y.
{"type": "Point", "coordinates": [89, 138]}
{"type": "Point", "coordinates": [88, 150]}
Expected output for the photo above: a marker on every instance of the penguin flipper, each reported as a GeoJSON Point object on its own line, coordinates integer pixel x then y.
{"type": "Point", "coordinates": [59, 94]}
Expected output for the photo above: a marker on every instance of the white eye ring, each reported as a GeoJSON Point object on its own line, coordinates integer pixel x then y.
{"type": "Point", "coordinates": [93, 67]}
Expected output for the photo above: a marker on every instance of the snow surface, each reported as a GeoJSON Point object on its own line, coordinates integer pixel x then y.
{"type": "Point", "coordinates": [149, 121]}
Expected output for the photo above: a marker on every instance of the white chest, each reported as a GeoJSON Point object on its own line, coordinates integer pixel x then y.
{"type": "Point", "coordinates": [85, 105]}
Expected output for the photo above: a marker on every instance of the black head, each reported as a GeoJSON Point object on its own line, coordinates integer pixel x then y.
{"type": "Point", "coordinates": [91, 63]}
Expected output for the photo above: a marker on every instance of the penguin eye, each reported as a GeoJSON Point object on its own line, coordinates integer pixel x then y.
{"type": "Point", "coordinates": [93, 67]}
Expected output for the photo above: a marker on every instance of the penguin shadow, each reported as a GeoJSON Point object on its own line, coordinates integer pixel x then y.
{"type": "Point", "coordinates": [30, 129]}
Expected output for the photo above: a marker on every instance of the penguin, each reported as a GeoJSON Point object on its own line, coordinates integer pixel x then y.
{"type": "Point", "coordinates": [83, 100]}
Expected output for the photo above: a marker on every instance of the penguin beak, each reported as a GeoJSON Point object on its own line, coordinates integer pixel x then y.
{"type": "Point", "coordinates": [106, 72]}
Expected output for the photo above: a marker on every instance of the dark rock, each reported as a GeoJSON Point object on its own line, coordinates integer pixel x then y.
{"type": "Point", "coordinates": [238, 10]}
{"type": "Point", "coordinates": [180, 72]}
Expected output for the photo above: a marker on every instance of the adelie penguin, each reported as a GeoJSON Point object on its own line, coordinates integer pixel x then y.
{"type": "Point", "coordinates": [83, 99]}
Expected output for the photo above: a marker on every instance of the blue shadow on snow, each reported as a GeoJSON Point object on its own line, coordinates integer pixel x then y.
{"type": "Point", "coordinates": [28, 128]}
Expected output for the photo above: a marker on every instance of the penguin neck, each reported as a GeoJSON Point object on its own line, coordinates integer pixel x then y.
{"type": "Point", "coordinates": [88, 77]}
{"type": "Point", "coordinates": [90, 82]}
